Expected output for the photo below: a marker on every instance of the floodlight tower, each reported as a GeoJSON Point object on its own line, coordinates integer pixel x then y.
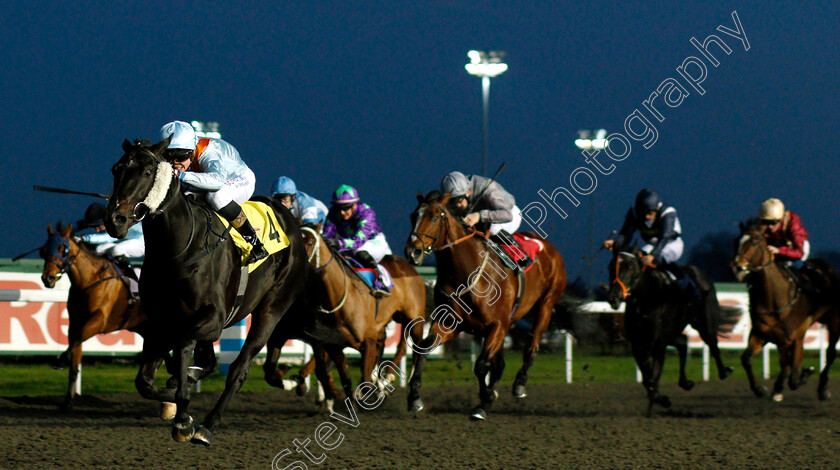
{"type": "Point", "coordinates": [485, 65]}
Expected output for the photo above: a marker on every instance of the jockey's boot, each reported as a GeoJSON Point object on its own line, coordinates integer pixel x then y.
{"type": "Point", "coordinates": [366, 260]}
{"type": "Point", "coordinates": [125, 266]}
{"type": "Point", "coordinates": [505, 238]}
{"type": "Point", "coordinates": [250, 235]}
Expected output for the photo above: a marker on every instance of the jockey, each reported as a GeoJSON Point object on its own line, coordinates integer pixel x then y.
{"type": "Point", "coordinates": [489, 204]}
{"type": "Point", "coordinates": [213, 166]}
{"type": "Point", "coordinates": [304, 207]}
{"type": "Point", "coordinates": [658, 227]}
{"type": "Point", "coordinates": [787, 239]}
{"type": "Point", "coordinates": [351, 226]}
{"type": "Point", "coordinates": [132, 246]}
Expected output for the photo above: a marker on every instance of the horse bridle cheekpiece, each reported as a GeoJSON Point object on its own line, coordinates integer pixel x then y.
{"type": "Point", "coordinates": [625, 292]}
{"type": "Point", "coordinates": [51, 250]}
{"type": "Point", "coordinates": [427, 250]}
{"type": "Point", "coordinates": [160, 187]}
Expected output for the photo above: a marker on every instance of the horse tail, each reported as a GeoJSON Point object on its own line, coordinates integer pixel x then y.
{"type": "Point", "coordinates": [726, 318]}
{"type": "Point", "coordinates": [570, 315]}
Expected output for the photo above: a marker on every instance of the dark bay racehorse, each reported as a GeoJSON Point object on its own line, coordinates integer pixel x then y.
{"type": "Point", "coordinates": [346, 306]}
{"type": "Point", "coordinates": [190, 279]}
{"type": "Point", "coordinates": [781, 312]}
{"type": "Point", "coordinates": [98, 301]}
{"type": "Point", "coordinates": [477, 294]}
{"type": "Point", "coordinates": [656, 315]}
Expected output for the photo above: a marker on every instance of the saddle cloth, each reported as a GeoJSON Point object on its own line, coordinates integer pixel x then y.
{"type": "Point", "coordinates": [370, 276]}
{"type": "Point", "coordinates": [268, 229]}
{"type": "Point", "coordinates": [531, 247]}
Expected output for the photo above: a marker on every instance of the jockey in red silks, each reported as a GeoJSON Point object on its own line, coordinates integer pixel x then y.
{"type": "Point", "coordinates": [214, 167]}
{"type": "Point", "coordinates": [786, 237]}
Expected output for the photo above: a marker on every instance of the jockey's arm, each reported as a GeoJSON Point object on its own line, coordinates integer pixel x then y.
{"type": "Point", "coordinates": [797, 235]}
{"type": "Point", "coordinates": [669, 234]}
{"type": "Point", "coordinates": [211, 178]}
{"type": "Point", "coordinates": [498, 209]}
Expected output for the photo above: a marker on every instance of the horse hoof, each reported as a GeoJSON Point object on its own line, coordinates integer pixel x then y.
{"type": "Point", "coordinates": [495, 395]}
{"type": "Point", "coordinates": [168, 410]}
{"type": "Point", "coordinates": [183, 434]}
{"type": "Point", "coordinates": [301, 389]}
{"type": "Point", "coordinates": [202, 436]}
{"type": "Point", "coordinates": [686, 384]}
{"type": "Point", "coordinates": [760, 392]}
{"type": "Point", "coordinates": [416, 406]}
{"type": "Point", "coordinates": [824, 395]}
{"type": "Point", "coordinates": [663, 401]}
{"type": "Point", "coordinates": [725, 372]}
{"type": "Point", "coordinates": [777, 397]}
{"type": "Point", "coordinates": [519, 391]}
{"type": "Point", "coordinates": [478, 414]}
{"type": "Point", "coordinates": [803, 377]}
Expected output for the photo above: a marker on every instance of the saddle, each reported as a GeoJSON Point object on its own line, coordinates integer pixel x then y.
{"type": "Point", "coordinates": [516, 251]}
{"type": "Point", "coordinates": [378, 280]}
{"type": "Point", "coordinates": [809, 277]}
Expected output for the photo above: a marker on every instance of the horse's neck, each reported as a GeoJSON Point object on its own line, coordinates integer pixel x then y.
{"type": "Point", "coordinates": [86, 268]}
{"type": "Point", "coordinates": [169, 232]}
{"type": "Point", "coordinates": [769, 287]}
{"type": "Point", "coordinates": [463, 259]}
{"type": "Point", "coordinates": [333, 274]}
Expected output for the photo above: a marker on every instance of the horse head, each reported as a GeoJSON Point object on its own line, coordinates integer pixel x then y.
{"type": "Point", "coordinates": [430, 222]}
{"type": "Point", "coordinates": [751, 253]}
{"type": "Point", "coordinates": [625, 273]}
{"type": "Point", "coordinates": [142, 180]}
{"type": "Point", "coordinates": [314, 244]}
{"type": "Point", "coordinates": [57, 254]}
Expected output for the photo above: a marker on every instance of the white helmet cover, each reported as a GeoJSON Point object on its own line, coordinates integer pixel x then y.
{"type": "Point", "coordinates": [183, 135]}
{"type": "Point", "coordinates": [771, 209]}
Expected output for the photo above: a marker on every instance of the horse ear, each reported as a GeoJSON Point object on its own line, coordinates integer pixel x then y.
{"type": "Point", "coordinates": [127, 146]}
{"type": "Point", "coordinates": [445, 199]}
{"type": "Point", "coordinates": [50, 230]}
{"type": "Point", "coordinates": [158, 147]}
{"type": "Point", "coordinates": [68, 230]}
{"type": "Point", "coordinates": [319, 227]}
{"type": "Point", "coordinates": [420, 198]}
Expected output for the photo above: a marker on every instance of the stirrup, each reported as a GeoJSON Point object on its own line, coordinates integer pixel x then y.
{"type": "Point", "coordinates": [380, 293]}
{"type": "Point", "coordinates": [257, 253]}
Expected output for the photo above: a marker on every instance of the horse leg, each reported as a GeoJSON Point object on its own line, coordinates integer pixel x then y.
{"type": "Point", "coordinates": [708, 334]}
{"type": "Point", "coordinates": [492, 346]}
{"type": "Point", "coordinates": [785, 358]}
{"type": "Point", "coordinates": [340, 361]}
{"type": "Point", "coordinates": [681, 343]}
{"type": "Point", "coordinates": [272, 372]}
{"type": "Point", "coordinates": [831, 354]}
{"type": "Point", "coordinates": [436, 338]}
{"type": "Point", "coordinates": [543, 317]}
{"type": "Point", "coordinates": [799, 376]}
{"type": "Point", "coordinates": [658, 365]}
{"type": "Point", "coordinates": [324, 377]}
{"type": "Point", "coordinates": [755, 345]}
{"type": "Point", "coordinates": [644, 362]}
{"type": "Point", "coordinates": [262, 326]}
{"type": "Point", "coordinates": [73, 374]}
{"type": "Point", "coordinates": [182, 427]}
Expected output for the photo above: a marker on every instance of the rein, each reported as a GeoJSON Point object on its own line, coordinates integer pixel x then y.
{"type": "Point", "coordinates": [444, 228]}
{"type": "Point", "coordinates": [624, 291]}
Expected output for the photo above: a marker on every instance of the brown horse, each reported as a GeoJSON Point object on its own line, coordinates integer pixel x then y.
{"type": "Point", "coordinates": [477, 294]}
{"type": "Point", "coordinates": [781, 312]}
{"type": "Point", "coordinates": [353, 313]}
{"type": "Point", "coordinates": [98, 301]}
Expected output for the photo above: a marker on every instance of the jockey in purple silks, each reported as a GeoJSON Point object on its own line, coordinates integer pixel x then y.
{"type": "Point", "coordinates": [351, 226]}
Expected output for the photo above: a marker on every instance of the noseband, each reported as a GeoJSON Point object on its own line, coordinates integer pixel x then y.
{"type": "Point", "coordinates": [739, 257]}
{"type": "Point", "coordinates": [443, 229]}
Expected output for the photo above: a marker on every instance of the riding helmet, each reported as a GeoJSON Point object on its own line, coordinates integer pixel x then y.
{"type": "Point", "coordinates": [647, 200]}
{"type": "Point", "coordinates": [283, 185]}
{"type": "Point", "coordinates": [344, 194]}
{"type": "Point", "coordinates": [94, 216]}
{"type": "Point", "coordinates": [771, 209]}
{"type": "Point", "coordinates": [183, 135]}
{"type": "Point", "coordinates": [455, 183]}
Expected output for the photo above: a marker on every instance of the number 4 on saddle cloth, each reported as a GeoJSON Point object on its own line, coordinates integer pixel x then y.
{"type": "Point", "coordinates": [517, 251]}
{"type": "Point", "coordinates": [268, 230]}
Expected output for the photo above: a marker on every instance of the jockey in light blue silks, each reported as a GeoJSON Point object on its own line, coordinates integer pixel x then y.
{"type": "Point", "coordinates": [213, 167]}
{"type": "Point", "coordinates": [133, 246]}
{"type": "Point", "coordinates": [351, 226]}
{"type": "Point", "coordinates": [304, 207]}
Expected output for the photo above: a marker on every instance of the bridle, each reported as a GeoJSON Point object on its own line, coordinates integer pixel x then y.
{"type": "Point", "coordinates": [316, 255]}
{"type": "Point", "coordinates": [443, 225]}
{"type": "Point", "coordinates": [625, 292]}
{"type": "Point", "coordinates": [68, 259]}
{"type": "Point", "coordinates": [757, 252]}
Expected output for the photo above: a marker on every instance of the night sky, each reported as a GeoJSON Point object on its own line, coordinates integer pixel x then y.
{"type": "Point", "coordinates": [375, 95]}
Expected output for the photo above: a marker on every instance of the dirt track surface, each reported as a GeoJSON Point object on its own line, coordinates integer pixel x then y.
{"type": "Point", "coordinates": [565, 426]}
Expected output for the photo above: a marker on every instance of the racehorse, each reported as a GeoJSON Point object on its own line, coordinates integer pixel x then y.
{"type": "Point", "coordinates": [781, 312]}
{"type": "Point", "coordinates": [656, 315]}
{"type": "Point", "coordinates": [191, 279]}
{"type": "Point", "coordinates": [99, 299]}
{"type": "Point", "coordinates": [477, 294]}
{"type": "Point", "coordinates": [349, 308]}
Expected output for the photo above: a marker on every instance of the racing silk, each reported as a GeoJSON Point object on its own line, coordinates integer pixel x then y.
{"type": "Point", "coordinates": [353, 233]}
{"type": "Point", "coordinates": [494, 205]}
{"type": "Point", "coordinates": [789, 238]}
{"type": "Point", "coordinates": [132, 245]}
{"type": "Point", "coordinates": [216, 162]}
{"type": "Point", "coordinates": [308, 209]}
{"type": "Point", "coordinates": [663, 229]}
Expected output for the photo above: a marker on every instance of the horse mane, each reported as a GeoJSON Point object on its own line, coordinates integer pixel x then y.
{"type": "Point", "coordinates": [433, 196]}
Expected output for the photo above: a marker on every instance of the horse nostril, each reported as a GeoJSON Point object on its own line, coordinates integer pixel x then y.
{"type": "Point", "coordinates": [120, 219]}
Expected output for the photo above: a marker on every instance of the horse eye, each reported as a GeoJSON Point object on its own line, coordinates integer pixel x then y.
{"type": "Point", "coordinates": [148, 172]}
{"type": "Point", "coordinates": [435, 218]}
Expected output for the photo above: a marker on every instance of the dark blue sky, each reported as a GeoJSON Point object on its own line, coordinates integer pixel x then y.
{"type": "Point", "coordinates": [375, 95]}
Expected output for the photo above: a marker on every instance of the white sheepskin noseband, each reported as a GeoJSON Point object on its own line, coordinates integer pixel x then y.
{"type": "Point", "coordinates": [163, 178]}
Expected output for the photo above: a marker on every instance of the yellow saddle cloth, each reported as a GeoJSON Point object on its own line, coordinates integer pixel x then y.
{"type": "Point", "coordinates": [268, 229]}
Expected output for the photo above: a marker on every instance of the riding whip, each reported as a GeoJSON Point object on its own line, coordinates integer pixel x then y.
{"type": "Point", "coordinates": [69, 191]}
